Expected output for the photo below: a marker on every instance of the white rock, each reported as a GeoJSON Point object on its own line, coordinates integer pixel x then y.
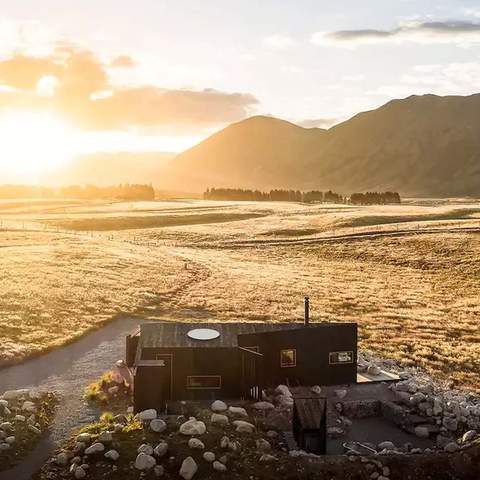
{"type": "Point", "coordinates": [283, 390]}
{"type": "Point", "coordinates": [144, 462]}
{"type": "Point", "coordinates": [193, 427]}
{"type": "Point", "coordinates": [209, 457]}
{"type": "Point", "coordinates": [341, 393]}
{"type": "Point", "coordinates": [84, 438]}
{"type": "Point", "coordinates": [19, 418]}
{"type": "Point", "coordinates": [105, 437]}
{"type": "Point", "coordinates": [374, 370]}
{"type": "Point", "coordinates": [451, 447]}
{"type": "Point", "coordinates": [263, 445]}
{"type": "Point", "coordinates": [149, 414]}
{"type": "Point", "coordinates": [218, 406]}
{"type": "Point", "coordinates": [29, 406]}
{"type": "Point", "coordinates": [238, 411]}
{"type": "Point", "coordinates": [158, 425]}
{"type": "Point", "coordinates": [161, 449]}
{"type": "Point", "coordinates": [14, 394]}
{"type": "Point", "coordinates": [219, 419]}
{"type": "Point", "coordinates": [10, 440]}
{"type": "Point", "coordinates": [263, 406]}
{"type": "Point", "coordinates": [196, 444]}
{"type": "Point", "coordinates": [80, 473]}
{"type": "Point", "coordinates": [188, 469]}
{"type": "Point", "coordinates": [386, 446]}
{"type": "Point", "coordinates": [61, 459]}
{"type": "Point", "coordinates": [224, 441]}
{"type": "Point", "coordinates": [112, 455]}
{"type": "Point", "coordinates": [95, 448]}
{"type": "Point", "coordinates": [219, 467]}
{"type": "Point", "coordinates": [244, 427]}
{"type": "Point", "coordinates": [158, 470]}
{"type": "Point", "coordinates": [469, 436]}
{"type": "Point", "coordinates": [316, 389]}
{"type": "Point", "coordinates": [3, 403]}
{"type": "Point", "coordinates": [267, 458]}
{"type": "Point", "coordinates": [145, 448]}
{"type": "Point", "coordinates": [6, 426]}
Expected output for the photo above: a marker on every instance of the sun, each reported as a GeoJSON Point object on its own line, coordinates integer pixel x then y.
{"type": "Point", "coordinates": [33, 143]}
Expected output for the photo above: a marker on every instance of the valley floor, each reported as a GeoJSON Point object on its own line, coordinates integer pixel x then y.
{"type": "Point", "coordinates": [408, 274]}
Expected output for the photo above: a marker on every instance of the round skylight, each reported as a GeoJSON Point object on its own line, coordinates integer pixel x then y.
{"type": "Point", "coordinates": [203, 334]}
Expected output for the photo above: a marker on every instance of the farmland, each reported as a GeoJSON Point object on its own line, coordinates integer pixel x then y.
{"type": "Point", "coordinates": [408, 274]}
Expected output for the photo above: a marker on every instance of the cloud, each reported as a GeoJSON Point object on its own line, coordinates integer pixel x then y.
{"type": "Point", "coordinates": [318, 122]}
{"type": "Point", "coordinates": [123, 61]}
{"type": "Point", "coordinates": [279, 42]}
{"type": "Point", "coordinates": [458, 32]}
{"type": "Point", "coordinates": [76, 83]}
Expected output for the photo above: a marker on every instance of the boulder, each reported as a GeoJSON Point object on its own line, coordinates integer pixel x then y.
{"type": "Point", "coordinates": [224, 441]}
{"type": "Point", "coordinates": [158, 470]}
{"type": "Point", "coordinates": [267, 458]}
{"type": "Point", "coordinates": [263, 406]}
{"type": "Point", "coordinates": [316, 389]}
{"type": "Point", "coordinates": [15, 394]}
{"type": "Point", "coordinates": [4, 447]}
{"type": "Point", "coordinates": [374, 370]}
{"type": "Point", "coordinates": [263, 445]}
{"type": "Point", "coordinates": [29, 406]}
{"type": "Point", "coordinates": [243, 427]}
{"type": "Point", "coordinates": [451, 447]}
{"type": "Point", "coordinates": [158, 425]}
{"type": "Point", "coordinates": [238, 411]}
{"type": "Point", "coordinates": [219, 419]}
{"type": "Point", "coordinates": [105, 437]}
{"type": "Point", "coordinates": [341, 393]}
{"type": "Point", "coordinates": [95, 448]}
{"type": "Point", "coordinates": [145, 448]}
{"type": "Point", "coordinates": [196, 444]}
{"type": "Point", "coordinates": [10, 440]}
{"type": "Point", "coordinates": [209, 457]}
{"type": "Point", "coordinates": [146, 415]}
{"type": "Point", "coordinates": [34, 429]}
{"type": "Point", "coordinates": [218, 406]}
{"type": "Point", "coordinates": [219, 467]}
{"type": "Point", "coordinates": [450, 423]}
{"type": "Point", "coordinates": [144, 462]}
{"type": "Point", "coordinates": [19, 418]}
{"type": "Point", "coordinates": [283, 390]}
{"type": "Point", "coordinates": [80, 473]}
{"type": "Point", "coordinates": [84, 438]}
{"type": "Point", "coordinates": [6, 426]}
{"type": "Point", "coordinates": [193, 427]}
{"type": "Point", "coordinates": [161, 449]}
{"type": "Point", "coordinates": [188, 469]}
{"type": "Point", "coordinates": [61, 459]}
{"type": "Point", "coordinates": [112, 455]}
{"type": "Point", "coordinates": [234, 446]}
{"type": "Point", "coordinates": [386, 446]}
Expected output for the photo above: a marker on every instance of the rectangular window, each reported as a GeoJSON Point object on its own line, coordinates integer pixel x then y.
{"type": "Point", "coordinates": [340, 357]}
{"type": "Point", "coordinates": [288, 358]}
{"type": "Point", "coordinates": [207, 382]}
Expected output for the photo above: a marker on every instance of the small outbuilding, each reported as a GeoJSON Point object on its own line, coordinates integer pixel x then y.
{"type": "Point", "coordinates": [310, 423]}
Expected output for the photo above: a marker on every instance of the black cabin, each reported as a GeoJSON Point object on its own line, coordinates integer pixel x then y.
{"type": "Point", "coordinates": [186, 361]}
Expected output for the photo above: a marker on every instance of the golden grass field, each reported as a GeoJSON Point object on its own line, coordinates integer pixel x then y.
{"type": "Point", "coordinates": [408, 274]}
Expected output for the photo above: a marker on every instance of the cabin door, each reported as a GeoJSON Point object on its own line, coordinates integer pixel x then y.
{"type": "Point", "coordinates": [165, 380]}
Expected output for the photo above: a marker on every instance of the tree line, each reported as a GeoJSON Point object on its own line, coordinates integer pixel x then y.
{"type": "Point", "coordinates": [369, 198]}
{"type": "Point", "coordinates": [125, 191]}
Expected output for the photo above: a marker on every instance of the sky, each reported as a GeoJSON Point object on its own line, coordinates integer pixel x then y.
{"type": "Point", "coordinates": [110, 75]}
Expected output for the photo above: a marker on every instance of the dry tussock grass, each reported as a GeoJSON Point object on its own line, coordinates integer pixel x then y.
{"type": "Point", "coordinates": [415, 297]}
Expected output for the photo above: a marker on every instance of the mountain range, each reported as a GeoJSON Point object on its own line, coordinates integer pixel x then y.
{"type": "Point", "coordinates": [422, 145]}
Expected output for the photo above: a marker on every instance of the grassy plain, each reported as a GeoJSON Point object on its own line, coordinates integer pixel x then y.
{"type": "Point", "coordinates": [408, 274]}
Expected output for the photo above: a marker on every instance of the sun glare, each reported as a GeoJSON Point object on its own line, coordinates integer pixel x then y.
{"type": "Point", "coordinates": [32, 143]}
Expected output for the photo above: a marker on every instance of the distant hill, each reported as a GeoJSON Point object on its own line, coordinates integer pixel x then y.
{"type": "Point", "coordinates": [422, 145]}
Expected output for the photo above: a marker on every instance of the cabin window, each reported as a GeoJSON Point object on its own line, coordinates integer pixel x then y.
{"type": "Point", "coordinates": [288, 358]}
{"type": "Point", "coordinates": [340, 357]}
{"type": "Point", "coordinates": [207, 382]}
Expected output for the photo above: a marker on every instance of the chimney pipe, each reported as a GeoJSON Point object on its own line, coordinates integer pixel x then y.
{"type": "Point", "coordinates": [306, 318]}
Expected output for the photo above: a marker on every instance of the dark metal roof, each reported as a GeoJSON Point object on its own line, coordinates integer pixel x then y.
{"type": "Point", "coordinates": [310, 411]}
{"type": "Point", "coordinates": [174, 334]}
